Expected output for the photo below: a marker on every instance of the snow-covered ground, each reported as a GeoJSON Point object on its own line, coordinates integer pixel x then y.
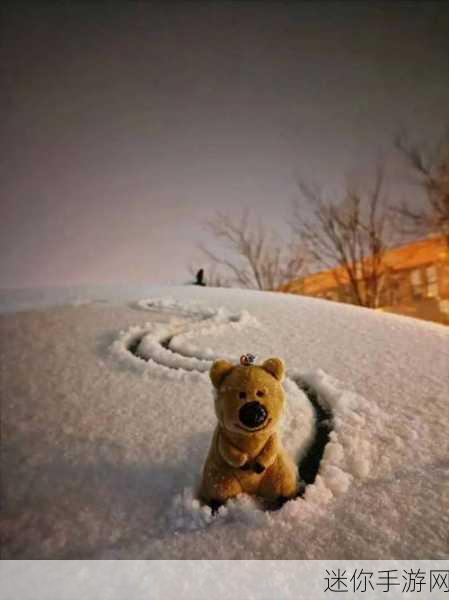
{"type": "Point", "coordinates": [102, 449]}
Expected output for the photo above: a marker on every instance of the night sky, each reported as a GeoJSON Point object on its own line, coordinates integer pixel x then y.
{"type": "Point", "coordinates": [126, 125]}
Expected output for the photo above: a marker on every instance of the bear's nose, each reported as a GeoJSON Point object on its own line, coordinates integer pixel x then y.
{"type": "Point", "coordinates": [252, 414]}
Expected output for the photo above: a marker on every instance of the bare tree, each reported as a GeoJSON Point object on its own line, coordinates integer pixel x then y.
{"type": "Point", "coordinates": [432, 169]}
{"type": "Point", "coordinates": [349, 233]}
{"type": "Point", "coordinates": [251, 255]}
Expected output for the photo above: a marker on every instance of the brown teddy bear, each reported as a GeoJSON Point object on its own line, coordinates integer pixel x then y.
{"type": "Point", "coordinates": [246, 454]}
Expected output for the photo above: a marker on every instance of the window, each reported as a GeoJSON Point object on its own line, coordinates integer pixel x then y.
{"type": "Point", "coordinates": [432, 281]}
{"type": "Point", "coordinates": [444, 306]}
{"type": "Point", "coordinates": [394, 290]}
{"type": "Point", "coordinates": [432, 290]}
{"type": "Point", "coordinates": [417, 283]}
{"type": "Point", "coordinates": [416, 278]}
{"type": "Point", "coordinates": [431, 274]}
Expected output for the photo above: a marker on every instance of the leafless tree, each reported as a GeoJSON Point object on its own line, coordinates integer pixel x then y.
{"type": "Point", "coordinates": [251, 255]}
{"type": "Point", "coordinates": [432, 169]}
{"type": "Point", "coordinates": [349, 233]}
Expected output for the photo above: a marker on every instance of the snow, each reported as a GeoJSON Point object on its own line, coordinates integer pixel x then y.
{"type": "Point", "coordinates": [102, 450]}
{"type": "Point", "coordinates": [13, 300]}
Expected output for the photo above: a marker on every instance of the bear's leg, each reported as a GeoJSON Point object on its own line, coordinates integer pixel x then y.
{"type": "Point", "coordinates": [219, 486]}
{"type": "Point", "coordinates": [280, 480]}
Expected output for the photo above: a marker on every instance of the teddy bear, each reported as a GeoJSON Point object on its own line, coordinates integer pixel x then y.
{"type": "Point", "coordinates": [246, 454]}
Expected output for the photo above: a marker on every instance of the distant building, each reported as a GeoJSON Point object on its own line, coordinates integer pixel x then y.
{"type": "Point", "coordinates": [415, 281]}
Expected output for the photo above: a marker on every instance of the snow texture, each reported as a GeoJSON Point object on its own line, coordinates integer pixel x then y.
{"type": "Point", "coordinates": [102, 450]}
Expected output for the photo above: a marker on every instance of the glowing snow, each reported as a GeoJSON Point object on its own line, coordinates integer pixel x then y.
{"type": "Point", "coordinates": [102, 450]}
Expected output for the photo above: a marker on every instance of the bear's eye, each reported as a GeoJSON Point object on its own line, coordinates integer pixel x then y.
{"type": "Point", "coordinates": [260, 393]}
{"type": "Point", "coordinates": [242, 395]}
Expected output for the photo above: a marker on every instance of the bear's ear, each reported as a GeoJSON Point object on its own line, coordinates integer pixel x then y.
{"type": "Point", "coordinates": [275, 367]}
{"type": "Point", "coordinates": [218, 371]}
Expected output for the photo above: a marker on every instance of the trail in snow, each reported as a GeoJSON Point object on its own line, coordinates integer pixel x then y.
{"type": "Point", "coordinates": [322, 423]}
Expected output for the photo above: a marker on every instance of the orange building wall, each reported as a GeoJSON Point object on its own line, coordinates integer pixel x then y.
{"type": "Point", "coordinates": [416, 281]}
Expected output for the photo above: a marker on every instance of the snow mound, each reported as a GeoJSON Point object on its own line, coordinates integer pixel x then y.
{"type": "Point", "coordinates": [107, 416]}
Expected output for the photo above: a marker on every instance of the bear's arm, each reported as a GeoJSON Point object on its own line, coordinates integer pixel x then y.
{"type": "Point", "coordinates": [269, 452]}
{"type": "Point", "coordinates": [230, 454]}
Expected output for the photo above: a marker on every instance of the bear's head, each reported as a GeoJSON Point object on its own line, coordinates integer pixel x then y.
{"type": "Point", "coordinates": [249, 398]}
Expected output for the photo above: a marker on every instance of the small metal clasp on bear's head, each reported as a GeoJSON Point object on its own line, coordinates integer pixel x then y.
{"type": "Point", "coordinates": [247, 359]}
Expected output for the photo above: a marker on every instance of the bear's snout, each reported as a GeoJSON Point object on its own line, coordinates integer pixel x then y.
{"type": "Point", "coordinates": [253, 414]}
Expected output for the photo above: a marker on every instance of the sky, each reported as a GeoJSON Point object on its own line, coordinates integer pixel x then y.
{"type": "Point", "coordinates": [127, 126]}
